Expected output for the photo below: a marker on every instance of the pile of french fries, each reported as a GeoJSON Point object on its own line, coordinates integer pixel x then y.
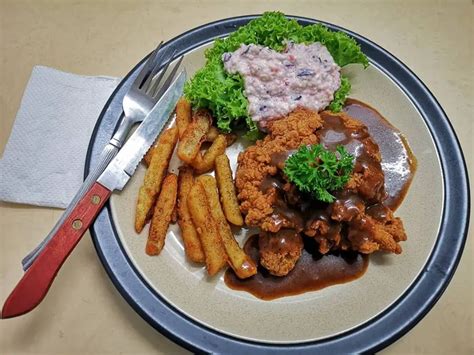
{"type": "Point", "coordinates": [203, 205]}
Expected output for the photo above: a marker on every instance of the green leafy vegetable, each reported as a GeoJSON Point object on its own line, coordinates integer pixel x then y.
{"type": "Point", "coordinates": [318, 171]}
{"type": "Point", "coordinates": [213, 88]}
{"type": "Point", "coordinates": [340, 95]}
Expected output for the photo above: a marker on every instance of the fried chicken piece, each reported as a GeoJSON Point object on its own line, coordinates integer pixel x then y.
{"type": "Point", "coordinates": [367, 178]}
{"type": "Point", "coordinates": [326, 233]}
{"type": "Point", "coordinates": [385, 218]}
{"type": "Point", "coordinates": [279, 252]}
{"type": "Point", "coordinates": [367, 235]}
{"type": "Point", "coordinates": [346, 206]}
{"type": "Point", "coordinates": [270, 202]}
{"type": "Point", "coordinates": [363, 232]}
{"type": "Point", "coordinates": [255, 163]}
{"type": "Point", "coordinates": [376, 229]}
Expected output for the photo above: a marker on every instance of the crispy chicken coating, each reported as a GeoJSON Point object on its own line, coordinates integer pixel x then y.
{"type": "Point", "coordinates": [255, 163]}
{"type": "Point", "coordinates": [356, 220]}
{"type": "Point", "coordinates": [279, 252]}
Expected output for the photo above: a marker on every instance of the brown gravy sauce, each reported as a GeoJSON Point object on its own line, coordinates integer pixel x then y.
{"type": "Point", "coordinates": [398, 161]}
{"type": "Point", "coordinates": [314, 271]}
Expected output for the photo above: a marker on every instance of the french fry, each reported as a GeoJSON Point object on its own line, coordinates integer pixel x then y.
{"type": "Point", "coordinates": [227, 193]}
{"type": "Point", "coordinates": [162, 215]}
{"type": "Point", "coordinates": [240, 262]}
{"type": "Point", "coordinates": [154, 177]}
{"type": "Point", "coordinates": [174, 215]}
{"type": "Point", "coordinates": [183, 115]}
{"type": "Point", "coordinates": [231, 138]}
{"type": "Point", "coordinates": [205, 163]}
{"type": "Point", "coordinates": [212, 134]}
{"type": "Point", "coordinates": [192, 244]}
{"type": "Point", "coordinates": [194, 135]}
{"type": "Point", "coordinates": [207, 229]}
{"type": "Point", "coordinates": [149, 154]}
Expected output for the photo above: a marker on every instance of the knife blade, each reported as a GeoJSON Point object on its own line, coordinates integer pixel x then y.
{"type": "Point", "coordinates": [36, 281]}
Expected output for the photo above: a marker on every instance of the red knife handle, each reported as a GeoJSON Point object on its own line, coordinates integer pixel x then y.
{"type": "Point", "coordinates": [35, 283]}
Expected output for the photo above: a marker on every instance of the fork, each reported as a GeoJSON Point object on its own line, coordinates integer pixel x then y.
{"type": "Point", "coordinates": [137, 103]}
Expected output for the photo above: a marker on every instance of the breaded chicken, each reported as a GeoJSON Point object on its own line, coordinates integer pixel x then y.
{"type": "Point", "coordinates": [279, 252]}
{"type": "Point", "coordinates": [365, 233]}
{"type": "Point", "coordinates": [272, 203]}
{"type": "Point", "coordinates": [254, 164]}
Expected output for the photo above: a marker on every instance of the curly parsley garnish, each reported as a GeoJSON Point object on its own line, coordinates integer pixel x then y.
{"type": "Point", "coordinates": [317, 171]}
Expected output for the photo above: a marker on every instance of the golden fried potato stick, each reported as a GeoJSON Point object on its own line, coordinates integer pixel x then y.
{"type": "Point", "coordinates": [183, 115]}
{"type": "Point", "coordinates": [192, 244]}
{"type": "Point", "coordinates": [238, 260]}
{"type": "Point", "coordinates": [149, 154]}
{"type": "Point", "coordinates": [231, 138]}
{"type": "Point", "coordinates": [212, 134]}
{"type": "Point", "coordinates": [227, 191]}
{"type": "Point", "coordinates": [206, 227]}
{"type": "Point", "coordinates": [174, 214]}
{"type": "Point", "coordinates": [154, 177]}
{"type": "Point", "coordinates": [162, 215]}
{"type": "Point", "coordinates": [192, 138]}
{"type": "Point", "coordinates": [205, 163]}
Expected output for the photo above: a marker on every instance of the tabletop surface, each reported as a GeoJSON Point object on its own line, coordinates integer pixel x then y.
{"type": "Point", "coordinates": [83, 312]}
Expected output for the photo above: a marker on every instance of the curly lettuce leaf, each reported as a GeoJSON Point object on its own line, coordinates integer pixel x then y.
{"type": "Point", "coordinates": [340, 95]}
{"type": "Point", "coordinates": [219, 92]}
{"type": "Point", "coordinates": [222, 93]}
{"type": "Point", "coordinates": [343, 49]}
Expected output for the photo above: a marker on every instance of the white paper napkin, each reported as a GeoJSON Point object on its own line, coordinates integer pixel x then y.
{"type": "Point", "coordinates": [43, 161]}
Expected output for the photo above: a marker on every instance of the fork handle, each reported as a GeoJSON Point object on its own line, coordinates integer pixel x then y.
{"type": "Point", "coordinates": [122, 131]}
{"type": "Point", "coordinates": [35, 283]}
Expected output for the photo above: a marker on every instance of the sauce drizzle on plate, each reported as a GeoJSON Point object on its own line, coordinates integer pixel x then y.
{"type": "Point", "coordinates": [312, 272]}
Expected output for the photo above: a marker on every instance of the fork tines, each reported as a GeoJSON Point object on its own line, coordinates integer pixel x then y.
{"type": "Point", "coordinates": [147, 68]}
{"type": "Point", "coordinates": [155, 92]}
{"type": "Point", "coordinates": [150, 75]}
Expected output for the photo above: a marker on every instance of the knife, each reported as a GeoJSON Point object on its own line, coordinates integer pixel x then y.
{"type": "Point", "coordinates": [36, 281]}
{"type": "Point", "coordinates": [115, 143]}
